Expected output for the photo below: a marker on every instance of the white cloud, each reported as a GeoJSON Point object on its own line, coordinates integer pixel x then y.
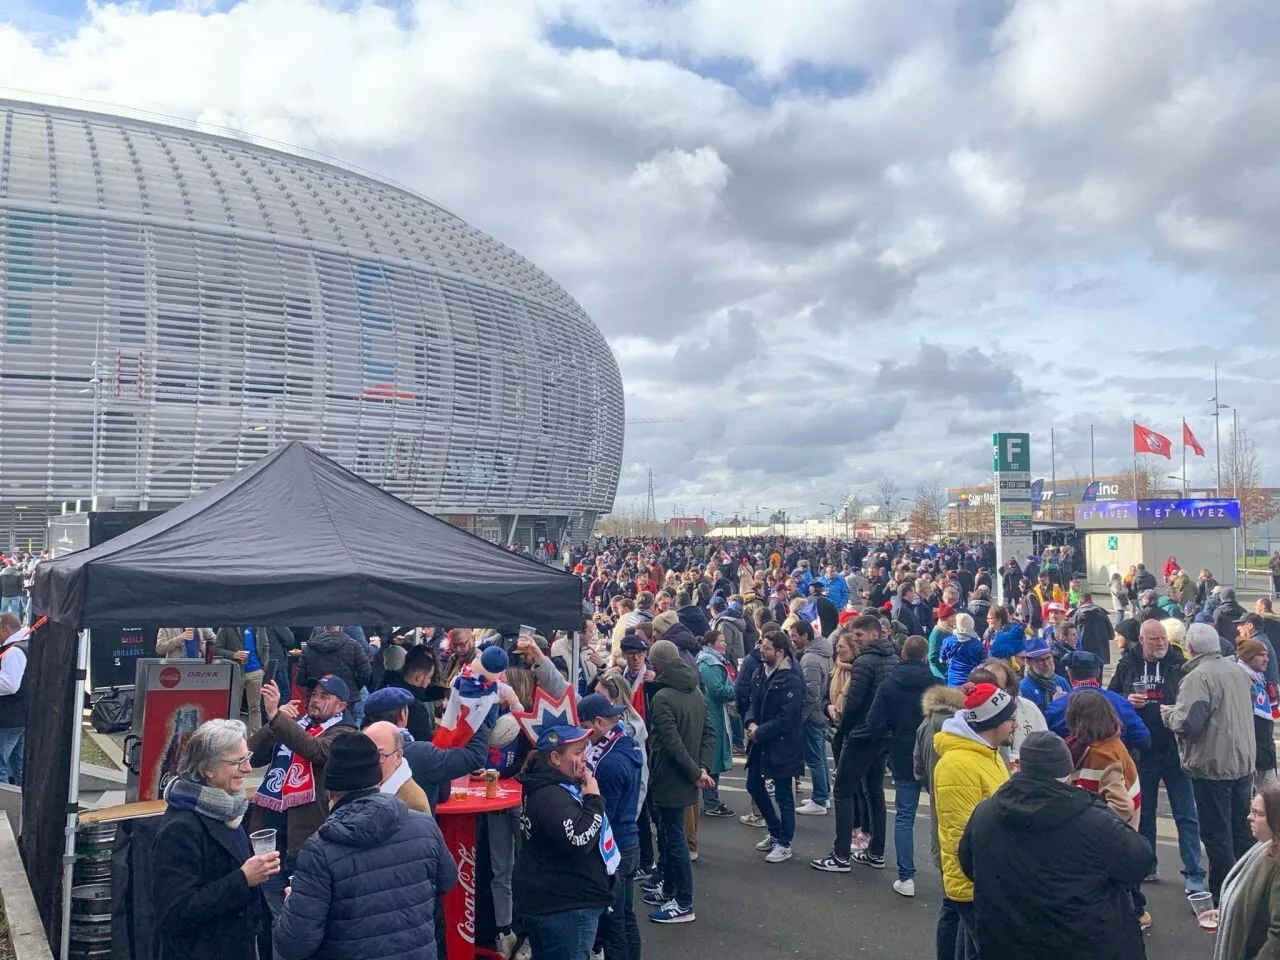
{"type": "Point", "coordinates": [760, 205]}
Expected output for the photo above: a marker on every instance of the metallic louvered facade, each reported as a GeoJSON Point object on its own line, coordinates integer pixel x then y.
{"type": "Point", "coordinates": [176, 303]}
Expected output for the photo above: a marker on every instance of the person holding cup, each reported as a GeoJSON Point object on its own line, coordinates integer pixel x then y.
{"type": "Point", "coordinates": [207, 883]}
{"type": "Point", "coordinates": [1251, 892]}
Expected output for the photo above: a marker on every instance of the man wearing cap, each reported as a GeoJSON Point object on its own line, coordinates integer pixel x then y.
{"type": "Point", "coordinates": [1148, 607]}
{"type": "Point", "coordinates": [366, 883]}
{"type": "Point", "coordinates": [1041, 685]}
{"type": "Point", "coordinates": [617, 762]}
{"type": "Point", "coordinates": [728, 619]}
{"type": "Point", "coordinates": [828, 613]}
{"type": "Point", "coordinates": [681, 739]}
{"type": "Point", "coordinates": [390, 705]}
{"type": "Point", "coordinates": [1227, 615]}
{"type": "Point", "coordinates": [1070, 902]}
{"type": "Point", "coordinates": [969, 770]}
{"type": "Point", "coordinates": [1149, 675]}
{"type": "Point", "coordinates": [1084, 672]}
{"type": "Point", "coordinates": [567, 867]}
{"type": "Point", "coordinates": [1253, 627]}
{"type": "Point", "coordinates": [1252, 659]}
{"type": "Point", "coordinates": [291, 798]}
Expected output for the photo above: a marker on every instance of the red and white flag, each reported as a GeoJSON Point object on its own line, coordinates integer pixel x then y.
{"type": "Point", "coordinates": [470, 700]}
{"type": "Point", "coordinates": [1189, 440]}
{"type": "Point", "coordinates": [1146, 440]}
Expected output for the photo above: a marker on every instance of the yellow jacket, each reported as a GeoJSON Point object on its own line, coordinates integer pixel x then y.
{"type": "Point", "coordinates": [968, 772]}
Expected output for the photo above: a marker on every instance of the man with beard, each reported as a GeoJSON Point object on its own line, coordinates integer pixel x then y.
{"type": "Point", "coordinates": [1149, 674]}
{"type": "Point", "coordinates": [291, 798]}
{"type": "Point", "coordinates": [1042, 685]}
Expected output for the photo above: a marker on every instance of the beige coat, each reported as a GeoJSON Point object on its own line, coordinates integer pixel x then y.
{"type": "Point", "coordinates": [170, 644]}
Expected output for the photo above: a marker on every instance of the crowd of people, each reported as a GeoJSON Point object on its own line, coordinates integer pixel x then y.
{"type": "Point", "coordinates": [828, 663]}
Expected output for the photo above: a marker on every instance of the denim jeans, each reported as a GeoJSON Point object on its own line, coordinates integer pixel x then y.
{"type": "Point", "coordinates": [957, 931]}
{"type": "Point", "coordinates": [677, 868]}
{"type": "Point", "coordinates": [782, 819]}
{"type": "Point", "coordinates": [644, 823]}
{"type": "Point", "coordinates": [711, 794]}
{"type": "Point", "coordinates": [906, 799]}
{"type": "Point", "coordinates": [569, 933]}
{"type": "Point", "coordinates": [815, 757]}
{"type": "Point", "coordinates": [861, 768]}
{"type": "Point", "coordinates": [1153, 768]}
{"type": "Point", "coordinates": [11, 605]}
{"type": "Point", "coordinates": [737, 732]}
{"type": "Point", "coordinates": [1223, 806]}
{"type": "Point", "coordinates": [619, 932]}
{"type": "Point", "coordinates": [11, 742]}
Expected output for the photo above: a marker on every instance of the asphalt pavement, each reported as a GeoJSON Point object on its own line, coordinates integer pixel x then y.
{"type": "Point", "coordinates": [751, 910]}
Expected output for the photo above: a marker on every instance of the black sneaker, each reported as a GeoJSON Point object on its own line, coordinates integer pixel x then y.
{"type": "Point", "coordinates": [831, 864]}
{"type": "Point", "coordinates": [719, 810]}
{"type": "Point", "coordinates": [867, 859]}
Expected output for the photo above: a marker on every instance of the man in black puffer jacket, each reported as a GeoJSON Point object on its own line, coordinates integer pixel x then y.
{"type": "Point", "coordinates": [333, 652]}
{"type": "Point", "coordinates": [366, 882]}
{"type": "Point", "coordinates": [1052, 864]}
{"type": "Point", "coordinates": [862, 758]}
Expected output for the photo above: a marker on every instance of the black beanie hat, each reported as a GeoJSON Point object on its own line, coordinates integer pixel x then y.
{"type": "Point", "coordinates": [1044, 756]}
{"type": "Point", "coordinates": [353, 764]}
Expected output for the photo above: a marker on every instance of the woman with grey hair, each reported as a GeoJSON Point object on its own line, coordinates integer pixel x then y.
{"type": "Point", "coordinates": [207, 887]}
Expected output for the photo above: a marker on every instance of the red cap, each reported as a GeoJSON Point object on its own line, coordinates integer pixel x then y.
{"type": "Point", "coordinates": [945, 610]}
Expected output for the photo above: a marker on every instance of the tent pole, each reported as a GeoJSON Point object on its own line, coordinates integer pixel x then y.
{"type": "Point", "coordinates": [511, 534]}
{"type": "Point", "coordinates": [577, 661]}
{"type": "Point", "coordinates": [73, 792]}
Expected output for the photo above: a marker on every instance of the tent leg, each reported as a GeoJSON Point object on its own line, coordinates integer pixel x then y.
{"type": "Point", "coordinates": [73, 793]}
{"type": "Point", "coordinates": [511, 534]}
{"type": "Point", "coordinates": [577, 660]}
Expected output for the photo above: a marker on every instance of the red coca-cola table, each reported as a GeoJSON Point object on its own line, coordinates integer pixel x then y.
{"type": "Point", "coordinates": [457, 820]}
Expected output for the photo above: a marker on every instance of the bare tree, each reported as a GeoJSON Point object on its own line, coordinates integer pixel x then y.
{"type": "Point", "coordinates": [1242, 479]}
{"type": "Point", "coordinates": [931, 501]}
{"type": "Point", "coordinates": [1147, 480]}
{"type": "Point", "coordinates": [886, 493]}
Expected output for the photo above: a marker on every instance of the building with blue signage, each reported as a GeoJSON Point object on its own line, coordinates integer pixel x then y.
{"type": "Point", "coordinates": [174, 304]}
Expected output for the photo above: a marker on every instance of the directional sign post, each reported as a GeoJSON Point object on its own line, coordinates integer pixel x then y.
{"type": "Point", "coordinates": [1012, 466]}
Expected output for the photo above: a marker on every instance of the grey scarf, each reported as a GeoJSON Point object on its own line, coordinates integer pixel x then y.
{"type": "Point", "coordinates": [211, 802]}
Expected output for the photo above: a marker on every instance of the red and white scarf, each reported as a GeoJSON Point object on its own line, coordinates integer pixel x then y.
{"type": "Point", "coordinates": [290, 781]}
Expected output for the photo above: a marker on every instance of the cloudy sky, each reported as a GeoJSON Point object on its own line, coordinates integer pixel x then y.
{"type": "Point", "coordinates": [837, 239]}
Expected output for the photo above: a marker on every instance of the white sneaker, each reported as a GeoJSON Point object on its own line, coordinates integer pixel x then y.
{"type": "Point", "coordinates": [811, 809]}
{"type": "Point", "coordinates": [905, 887]}
{"type": "Point", "coordinates": [751, 820]}
{"type": "Point", "coordinates": [693, 856]}
{"type": "Point", "coordinates": [597, 954]}
{"type": "Point", "coordinates": [767, 844]}
{"type": "Point", "coordinates": [778, 854]}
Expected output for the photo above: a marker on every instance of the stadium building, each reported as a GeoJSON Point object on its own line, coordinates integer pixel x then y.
{"type": "Point", "coordinates": [174, 304]}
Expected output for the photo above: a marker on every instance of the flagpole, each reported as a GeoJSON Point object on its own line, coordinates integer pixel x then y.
{"type": "Point", "coordinates": [1184, 458]}
{"type": "Point", "coordinates": [1093, 473]}
{"type": "Point", "coordinates": [1053, 474]}
{"type": "Point", "coordinates": [1134, 425]}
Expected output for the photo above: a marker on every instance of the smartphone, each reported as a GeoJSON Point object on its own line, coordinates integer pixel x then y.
{"type": "Point", "coordinates": [269, 673]}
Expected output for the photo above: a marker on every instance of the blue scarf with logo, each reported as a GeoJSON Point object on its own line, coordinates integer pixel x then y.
{"type": "Point", "coordinates": [609, 852]}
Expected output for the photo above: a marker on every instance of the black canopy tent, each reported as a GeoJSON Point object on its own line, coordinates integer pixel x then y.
{"type": "Point", "coordinates": [291, 536]}
{"type": "Point", "coordinates": [294, 538]}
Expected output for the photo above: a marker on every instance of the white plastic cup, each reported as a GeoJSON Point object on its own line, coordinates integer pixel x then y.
{"type": "Point", "coordinates": [460, 788]}
{"type": "Point", "coordinates": [264, 842]}
{"type": "Point", "coordinates": [1206, 916]}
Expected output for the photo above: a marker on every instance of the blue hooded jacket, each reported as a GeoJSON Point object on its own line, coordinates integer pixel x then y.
{"type": "Point", "coordinates": [618, 774]}
{"type": "Point", "coordinates": [837, 590]}
{"type": "Point", "coordinates": [961, 654]}
{"type": "Point", "coordinates": [1133, 731]}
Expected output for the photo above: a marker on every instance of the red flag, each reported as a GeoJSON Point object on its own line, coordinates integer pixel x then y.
{"type": "Point", "coordinates": [1146, 440]}
{"type": "Point", "coordinates": [1189, 440]}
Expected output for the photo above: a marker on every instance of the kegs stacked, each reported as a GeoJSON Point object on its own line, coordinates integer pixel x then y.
{"type": "Point", "coordinates": [91, 893]}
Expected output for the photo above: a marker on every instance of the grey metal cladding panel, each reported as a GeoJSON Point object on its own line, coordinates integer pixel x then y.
{"type": "Point", "coordinates": [212, 347]}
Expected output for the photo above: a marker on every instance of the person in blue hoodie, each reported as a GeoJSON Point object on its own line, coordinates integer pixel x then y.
{"type": "Point", "coordinates": [962, 651]}
{"type": "Point", "coordinates": [1084, 671]}
{"type": "Point", "coordinates": [616, 761]}
{"type": "Point", "coordinates": [837, 588]}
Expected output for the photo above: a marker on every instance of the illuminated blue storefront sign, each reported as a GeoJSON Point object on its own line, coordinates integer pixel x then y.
{"type": "Point", "coordinates": [1197, 514]}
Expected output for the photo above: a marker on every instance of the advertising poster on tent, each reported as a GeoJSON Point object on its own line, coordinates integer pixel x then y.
{"type": "Point", "coordinates": [173, 697]}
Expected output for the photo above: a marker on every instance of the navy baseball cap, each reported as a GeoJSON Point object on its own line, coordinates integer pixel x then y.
{"type": "Point", "coordinates": [333, 684]}
{"type": "Point", "coordinates": [595, 705]}
{"type": "Point", "coordinates": [554, 738]}
{"type": "Point", "coordinates": [1082, 661]}
{"type": "Point", "coordinates": [388, 700]}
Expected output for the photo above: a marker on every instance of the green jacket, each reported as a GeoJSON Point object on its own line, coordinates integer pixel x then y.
{"type": "Point", "coordinates": [680, 737]}
{"type": "Point", "coordinates": [718, 692]}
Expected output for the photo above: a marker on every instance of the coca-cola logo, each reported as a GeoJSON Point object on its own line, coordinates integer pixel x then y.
{"type": "Point", "coordinates": [467, 881]}
{"type": "Point", "coordinates": [170, 677]}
